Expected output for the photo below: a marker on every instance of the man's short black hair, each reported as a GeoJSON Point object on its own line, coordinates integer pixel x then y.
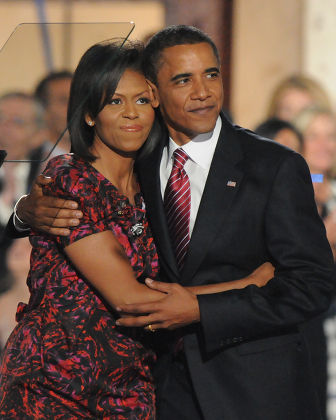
{"type": "Point", "coordinates": [93, 85]}
{"type": "Point", "coordinates": [169, 37]}
{"type": "Point", "coordinates": [41, 91]}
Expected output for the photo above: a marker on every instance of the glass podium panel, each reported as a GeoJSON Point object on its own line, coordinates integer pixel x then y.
{"type": "Point", "coordinates": [31, 52]}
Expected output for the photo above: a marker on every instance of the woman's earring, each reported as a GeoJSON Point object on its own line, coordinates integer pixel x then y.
{"type": "Point", "coordinates": [91, 123]}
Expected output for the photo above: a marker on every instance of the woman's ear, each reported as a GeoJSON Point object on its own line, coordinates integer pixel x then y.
{"type": "Point", "coordinates": [89, 121]}
{"type": "Point", "coordinates": [153, 90]}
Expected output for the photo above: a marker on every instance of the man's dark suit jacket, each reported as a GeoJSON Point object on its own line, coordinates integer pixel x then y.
{"type": "Point", "coordinates": [247, 357]}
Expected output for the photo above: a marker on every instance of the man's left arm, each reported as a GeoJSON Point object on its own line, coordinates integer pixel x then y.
{"type": "Point", "coordinates": [304, 269]}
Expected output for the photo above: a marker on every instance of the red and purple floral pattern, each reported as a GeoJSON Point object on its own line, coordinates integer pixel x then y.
{"type": "Point", "coordinates": [66, 358]}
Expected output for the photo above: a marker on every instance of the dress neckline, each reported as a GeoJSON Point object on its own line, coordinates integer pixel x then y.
{"type": "Point", "coordinates": [138, 200]}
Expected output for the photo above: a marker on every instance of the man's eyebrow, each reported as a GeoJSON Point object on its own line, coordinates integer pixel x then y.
{"type": "Point", "coordinates": [182, 75]}
{"type": "Point", "coordinates": [212, 69]}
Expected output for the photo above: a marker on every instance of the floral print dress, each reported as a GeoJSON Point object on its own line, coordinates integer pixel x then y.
{"type": "Point", "coordinates": [66, 358]}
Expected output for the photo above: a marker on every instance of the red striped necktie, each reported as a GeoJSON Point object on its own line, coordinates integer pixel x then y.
{"type": "Point", "coordinates": [177, 206]}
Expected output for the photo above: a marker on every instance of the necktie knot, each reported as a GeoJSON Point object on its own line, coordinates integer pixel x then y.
{"type": "Point", "coordinates": [180, 158]}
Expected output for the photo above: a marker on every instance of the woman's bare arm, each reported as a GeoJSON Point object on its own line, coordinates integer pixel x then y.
{"type": "Point", "coordinates": [259, 277]}
{"type": "Point", "coordinates": [101, 259]}
{"type": "Point", "coordinates": [103, 262]}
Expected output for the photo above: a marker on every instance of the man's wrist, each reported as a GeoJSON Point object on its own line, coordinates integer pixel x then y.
{"type": "Point", "coordinates": [19, 224]}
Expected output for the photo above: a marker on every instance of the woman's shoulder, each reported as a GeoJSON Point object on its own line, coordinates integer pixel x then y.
{"type": "Point", "coordinates": [63, 164]}
{"type": "Point", "coordinates": [70, 173]}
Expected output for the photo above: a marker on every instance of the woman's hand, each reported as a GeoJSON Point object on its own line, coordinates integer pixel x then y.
{"type": "Point", "coordinates": [259, 277]}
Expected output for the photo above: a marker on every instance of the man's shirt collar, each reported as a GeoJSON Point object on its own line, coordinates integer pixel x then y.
{"type": "Point", "coordinates": [201, 148]}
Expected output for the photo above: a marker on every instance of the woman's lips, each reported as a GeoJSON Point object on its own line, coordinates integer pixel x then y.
{"type": "Point", "coordinates": [131, 128]}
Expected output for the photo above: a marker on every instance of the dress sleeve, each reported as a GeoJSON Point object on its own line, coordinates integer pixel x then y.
{"type": "Point", "coordinates": [75, 183]}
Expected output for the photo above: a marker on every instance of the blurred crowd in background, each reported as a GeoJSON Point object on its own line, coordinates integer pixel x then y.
{"type": "Point", "coordinates": [30, 125]}
{"type": "Point", "coordinates": [300, 116]}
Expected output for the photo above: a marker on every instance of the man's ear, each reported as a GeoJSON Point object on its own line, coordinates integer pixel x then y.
{"type": "Point", "coordinates": [155, 100]}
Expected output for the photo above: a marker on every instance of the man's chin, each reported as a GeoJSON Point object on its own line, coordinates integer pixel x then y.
{"type": "Point", "coordinates": [202, 127]}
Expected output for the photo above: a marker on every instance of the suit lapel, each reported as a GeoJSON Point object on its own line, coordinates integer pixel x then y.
{"type": "Point", "coordinates": [149, 176]}
{"type": "Point", "coordinates": [222, 185]}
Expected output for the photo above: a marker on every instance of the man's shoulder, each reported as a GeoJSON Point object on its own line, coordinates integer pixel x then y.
{"type": "Point", "coordinates": [257, 154]}
{"type": "Point", "coordinates": [252, 142]}
{"type": "Point", "coordinates": [255, 147]}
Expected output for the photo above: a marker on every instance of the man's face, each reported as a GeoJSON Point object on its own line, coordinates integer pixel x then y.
{"type": "Point", "coordinates": [189, 89]}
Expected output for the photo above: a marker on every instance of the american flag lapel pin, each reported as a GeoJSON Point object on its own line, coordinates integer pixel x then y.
{"type": "Point", "coordinates": [231, 184]}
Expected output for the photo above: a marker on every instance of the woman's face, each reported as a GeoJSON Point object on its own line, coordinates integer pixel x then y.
{"type": "Point", "coordinates": [319, 148]}
{"type": "Point", "coordinates": [125, 121]}
{"type": "Point", "coordinates": [291, 102]}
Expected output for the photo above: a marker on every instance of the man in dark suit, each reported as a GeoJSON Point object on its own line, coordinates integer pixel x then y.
{"type": "Point", "coordinates": [240, 354]}
{"type": "Point", "coordinates": [243, 356]}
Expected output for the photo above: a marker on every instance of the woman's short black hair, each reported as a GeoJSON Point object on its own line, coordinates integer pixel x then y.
{"type": "Point", "coordinates": [94, 83]}
{"type": "Point", "coordinates": [170, 37]}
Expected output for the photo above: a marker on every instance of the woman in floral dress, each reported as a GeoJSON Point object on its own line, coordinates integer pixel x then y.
{"type": "Point", "coordinates": [66, 359]}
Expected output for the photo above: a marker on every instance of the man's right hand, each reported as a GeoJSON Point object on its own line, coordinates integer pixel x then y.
{"type": "Point", "coordinates": [48, 214]}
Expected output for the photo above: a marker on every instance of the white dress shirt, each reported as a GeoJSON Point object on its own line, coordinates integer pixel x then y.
{"type": "Point", "coordinates": [200, 151]}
